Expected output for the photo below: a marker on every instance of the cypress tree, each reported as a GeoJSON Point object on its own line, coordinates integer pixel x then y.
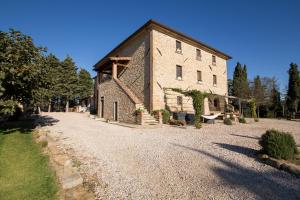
{"type": "Point", "coordinates": [240, 85]}
{"type": "Point", "coordinates": [293, 93]}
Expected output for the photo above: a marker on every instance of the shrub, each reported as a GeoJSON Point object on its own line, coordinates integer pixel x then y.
{"type": "Point", "coordinates": [177, 122]}
{"type": "Point", "coordinates": [227, 121]}
{"type": "Point", "coordinates": [198, 125]}
{"type": "Point", "coordinates": [242, 120]}
{"type": "Point", "coordinates": [165, 116]}
{"type": "Point", "coordinates": [278, 144]}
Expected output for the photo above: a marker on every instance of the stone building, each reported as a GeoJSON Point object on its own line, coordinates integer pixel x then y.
{"type": "Point", "coordinates": [137, 73]}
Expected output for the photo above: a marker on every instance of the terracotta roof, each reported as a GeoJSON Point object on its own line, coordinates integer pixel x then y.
{"type": "Point", "coordinates": [160, 27]}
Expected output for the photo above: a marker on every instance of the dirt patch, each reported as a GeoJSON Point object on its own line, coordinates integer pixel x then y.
{"type": "Point", "coordinates": [69, 178]}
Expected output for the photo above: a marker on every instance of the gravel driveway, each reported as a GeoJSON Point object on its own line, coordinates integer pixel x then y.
{"type": "Point", "coordinates": [215, 162]}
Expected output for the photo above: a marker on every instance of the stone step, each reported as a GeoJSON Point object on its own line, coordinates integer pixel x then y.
{"type": "Point", "coordinates": [150, 121]}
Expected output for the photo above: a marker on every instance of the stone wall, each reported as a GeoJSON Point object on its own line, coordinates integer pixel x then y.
{"type": "Point", "coordinates": [165, 60]}
{"type": "Point", "coordinates": [111, 92]}
{"type": "Point", "coordinates": [136, 75]}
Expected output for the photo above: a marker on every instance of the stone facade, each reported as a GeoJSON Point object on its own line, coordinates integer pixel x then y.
{"type": "Point", "coordinates": [136, 74]}
{"type": "Point", "coordinates": [112, 92]}
{"type": "Point", "coordinates": [152, 69]}
{"type": "Point", "coordinates": [136, 78]}
{"type": "Point", "coordinates": [165, 59]}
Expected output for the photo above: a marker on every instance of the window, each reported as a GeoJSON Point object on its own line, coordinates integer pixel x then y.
{"type": "Point", "coordinates": [199, 76]}
{"type": "Point", "coordinates": [179, 100]}
{"type": "Point", "coordinates": [198, 54]}
{"type": "Point", "coordinates": [214, 60]}
{"type": "Point", "coordinates": [216, 103]}
{"type": "Point", "coordinates": [178, 46]}
{"type": "Point", "coordinates": [215, 80]}
{"type": "Point", "coordinates": [179, 72]}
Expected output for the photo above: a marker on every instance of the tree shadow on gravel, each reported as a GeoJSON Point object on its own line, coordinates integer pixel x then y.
{"type": "Point", "coordinates": [246, 136]}
{"type": "Point", "coordinates": [265, 185]}
{"type": "Point", "coordinates": [239, 149]}
{"type": "Point", "coordinates": [46, 121]}
{"type": "Point", "coordinates": [25, 126]}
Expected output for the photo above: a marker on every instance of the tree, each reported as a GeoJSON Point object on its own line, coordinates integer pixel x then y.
{"type": "Point", "coordinates": [68, 81]}
{"type": "Point", "coordinates": [85, 84]}
{"type": "Point", "coordinates": [230, 87]}
{"type": "Point", "coordinates": [258, 93]}
{"type": "Point", "coordinates": [276, 106]}
{"type": "Point", "coordinates": [240, 85]}
{"type": "Point", "coordinates": [19, 68]}
{"type": "Point", "coordinates": [293, 93]}
{"type": "Point", "coordinates": [49, 78]}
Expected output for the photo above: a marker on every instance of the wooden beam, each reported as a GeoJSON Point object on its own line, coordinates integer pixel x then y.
{"type": "Point", "coordinates": [120, 58]}
{"type": "Point", "coordinates": [121, 65]}
{"type": "Point", "coordinates": [106, 73]}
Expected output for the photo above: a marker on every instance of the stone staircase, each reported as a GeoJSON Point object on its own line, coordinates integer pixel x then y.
{"type": "Point", "coordinates": [147, 118]}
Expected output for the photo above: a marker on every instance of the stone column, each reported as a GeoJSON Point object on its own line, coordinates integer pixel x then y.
{"type": "Point", "coordinates": [206, 106]}
{"type": "Point", "coordinates": [160, 119]}
{"type": "Point", "coordinates": [114, 70]}
{"type": "Point", "coordinates": [139, 118]}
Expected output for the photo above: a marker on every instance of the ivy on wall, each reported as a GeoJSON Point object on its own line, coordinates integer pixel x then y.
{"type": "Point", "coordinates": [198, 102]}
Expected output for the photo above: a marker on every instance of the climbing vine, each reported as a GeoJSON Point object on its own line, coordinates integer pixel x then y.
{"type": "Point", "coordinates": [198, 102]}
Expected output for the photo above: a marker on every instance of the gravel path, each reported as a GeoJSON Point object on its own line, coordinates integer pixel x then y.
{"type": "Point", "coordinates": [215, 162]}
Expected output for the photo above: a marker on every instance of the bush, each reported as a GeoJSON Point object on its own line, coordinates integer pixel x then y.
{"type": "Point", "coordinates": [227, 121]}
{"type": "Point", "coordinates": [278, 144]}
{"type": "Point", "coordinates": [242, 120]}
{"type": "Point", "coordinates": [177, 122]}
{"type": "Point", "coordinates": [165, 116]}
{"type": "Point", "coordinates": [198, 125]}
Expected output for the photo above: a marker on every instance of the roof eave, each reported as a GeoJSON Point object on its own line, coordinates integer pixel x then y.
{"type": "Point", "coordinates": [152, 22]}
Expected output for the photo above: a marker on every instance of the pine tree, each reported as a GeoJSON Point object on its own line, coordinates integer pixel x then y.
{"type": "Point", "coordinates": [51, 77]}
{"type": "Point", "coordinates": [85, 84]}
{"type": "Point", "coordinates": [68, 81]}
{"type": "Point", "coordinates": [293, 93]}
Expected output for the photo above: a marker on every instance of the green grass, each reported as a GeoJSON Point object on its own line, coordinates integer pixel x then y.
{"type": "Point", "coordinates": [24, 170]}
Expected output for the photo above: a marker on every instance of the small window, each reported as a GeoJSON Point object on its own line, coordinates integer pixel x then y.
{"type": "Point", "coordinates": [178, 46]}
{"type": "Point", "coordinates": [179, 72]}
{"type": "Point", "coordinates": [179, 100]}
{"type": "Point", "coordinates": [198, 54]}
{"type": "Point", "coordinates": [214, 60]}
{"type": "Point", "coordinates": [215, 80]}
{"type": "Point", "coordinates": [199, 76]}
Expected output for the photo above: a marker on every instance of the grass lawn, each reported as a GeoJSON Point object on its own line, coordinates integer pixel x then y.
{"type": "Point", "coordinates": [24, 170]}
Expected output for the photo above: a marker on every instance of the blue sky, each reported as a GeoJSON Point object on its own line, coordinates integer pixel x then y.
{"type": "Point", "coordinates": [263, 34]}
